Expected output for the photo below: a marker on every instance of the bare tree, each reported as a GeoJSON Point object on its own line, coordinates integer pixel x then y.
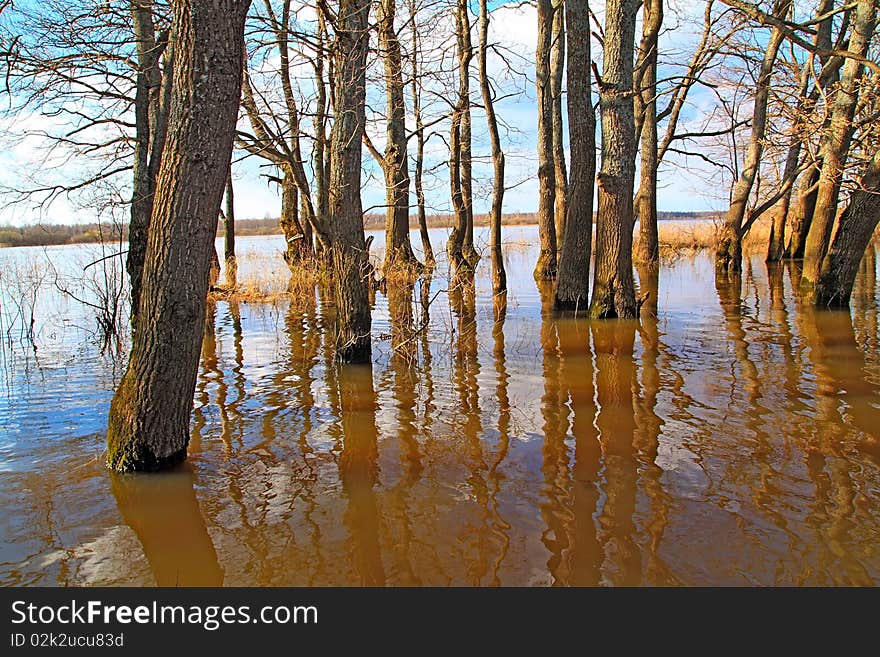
{"type": "Point", "coordinates": [545, 269]}
{"type": "Point", "coordinates": [395, 160]}
{"type": "Point", "coordinates": [613, 285]}
{"type": "Point", "coordinates": [148, 427]}
{"type": "Point", "coordinates": [645, 86]}
{"type": "Point", "coordinates": [560, 172]}
{"type": "Point", "coordinates": [351, 268]}
{"type": "Point", "coordinates": [499, 276]}
{"type": "Point", "coordinates": [728, 255]}
{"type": "Point", "coordinates": [573, 284]}
{"type": "Point", "coordinates": [836, 147]}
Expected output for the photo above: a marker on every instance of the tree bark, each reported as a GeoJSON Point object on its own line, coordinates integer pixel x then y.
{"type": "Point", "coordinates": [728, 254]}
{"type": "Point", "coordinates": [560, 172]}
{"type": "Point", "coordinates": [646, 115]}
{"type": "Point", "coordinates": [349, 254]}
{"type": "Point", "coordinates": [499, 276]}
{"type": "Point", "coordinates": [836, 149]}
{"type": "Point", "coordinates": [545, 268]}
{"type": "Point", "coordinates": [398, 249]}
{"type": "Point", "coordinates": [573, 284]}
{"type": "Point", "coordinates": [148, 426]}
{"type": "Point", "coordinates": [853, 234]}
{"type": "Point", "coordinates": [613, 286]}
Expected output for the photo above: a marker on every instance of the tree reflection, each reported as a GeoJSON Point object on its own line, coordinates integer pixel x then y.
{"type": "Point", "coordinates": [164, 512]}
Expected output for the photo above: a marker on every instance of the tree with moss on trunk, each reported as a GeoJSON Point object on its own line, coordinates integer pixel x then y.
{"type": "Point", "coordinates": [148, 426]}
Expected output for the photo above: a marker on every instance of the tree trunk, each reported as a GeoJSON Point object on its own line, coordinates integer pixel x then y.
{"type": "Point", "coordinates": [728, 255]}
{"type": "Point", "coordinates": [804, 212]}
{"type": "Point", "coordinates": [148, 426]}
{"type": "Point", "coordinates": [499, 276]}
{"type": "Point", "coordinates": [349, 253]}
{"type": "Point", "coordinates": [398, 249]}
{"type": "Point", "coordinates": [148, 88]}
{"type": "Point", "coordinates": [836, 149]}
{"type": "Point", "coordinates": [229, 233]}
{"type": "Point", "coordinates": [573, 284]}
{"type": "Point", "coordinates": [545, 269]}
{"type": "Point", "coordinates": [560, 173]}
{"type": "Point", "coordinates": [829, 76]}
{"type": "Point", "coordinates": [646, 102]}
{"type": "Point", "coordinates": [427, 249]}
{"type": "Point", "coordinates": [853, 234]}
{"type": "Point", "coordinates": [613, 286]}
{"type": "Point", "coordinates": [455, 246]}
{"type": "Point", "coordinates": [292, 221]}
{"type": "Point", "coordinates": [320, 159]}
{"type": "Point", "coordinates": [467, 196]}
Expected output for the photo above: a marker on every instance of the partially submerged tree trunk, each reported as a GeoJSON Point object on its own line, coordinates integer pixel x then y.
{"type": "Point", "coordinates": [349, 253]}
{"type": "Point", "coordinates": [148, 426]}
{"type": "Point", "coordinates": [499, 276]}
{"type": "Point", "coordinates": [398, 249]}
{"type": "Point", "coordinates": [459, 142]}
{"type": "Point", "coordinates": [836, 148]}
{"type": "Point", "coordinates": [852, 235]}
{"type": "Point", "coordinates": [560, 172]}
{"type": "Point", "coordinates": [613, 286]}
{"type": "Point", "coordinates": [646, 115]}
{"type": "Point", "coordinates": [728, 254]}
{"type": "Point", "coordinates": [573, 284]}
{"type": "Point", "coordinates": [545, 268]}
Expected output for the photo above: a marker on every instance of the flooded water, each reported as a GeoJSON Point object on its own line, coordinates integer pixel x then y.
{"type": "Point", "coordinates": [733, 439]}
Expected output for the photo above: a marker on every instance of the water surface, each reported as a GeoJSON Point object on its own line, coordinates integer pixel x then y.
{"type": "Point", "coordinates": [731, 439]}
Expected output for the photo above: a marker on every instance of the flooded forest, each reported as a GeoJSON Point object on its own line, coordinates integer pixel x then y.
{"type": "Point", "coordinates": [599, 395]}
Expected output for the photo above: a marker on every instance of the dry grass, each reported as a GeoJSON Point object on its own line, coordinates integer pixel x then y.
{"type": "Point", "coordinates": [269, 279]}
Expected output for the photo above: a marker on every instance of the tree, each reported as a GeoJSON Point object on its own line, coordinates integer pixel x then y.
{"type": "Point", "coordinates": [613, 286]}
{"type": "Point", "coordinates": [499, 276]}
{"type": "Point", "coordinates": [148, 427]}
{"type": "Point", "coordinates": [395, 161]}
{"type": "Point", "coordinates": [854, 230]}
{"type": "Point", "coordinates": [835, 149]}
{"type": "Point", "coordinates": [462, 235]}
{"type": "Point", "coordinates": [276, 135]}
{"type": "Point", "coordinates": [573, 284]}
{"type": "Point", "coordinates": [351, 268]}
{"type": "Point", "coordinates": [645, 87]}
{"type": "Point", "coordinates": [728, 255]}
{"type": "Point", "coordinates": [545, 269]}
{"type": "Point", "coordinates": [415, 69]}
{"type": "Point", "coordinates": [560, 173]}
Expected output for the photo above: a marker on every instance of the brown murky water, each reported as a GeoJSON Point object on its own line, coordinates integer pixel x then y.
{"type": "Point", "coordinates": [733, 439]}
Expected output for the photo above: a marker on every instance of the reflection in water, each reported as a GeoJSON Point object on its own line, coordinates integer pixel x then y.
{"type": "Point", "coordinates": [163, 511]}
{"type": "Point", "coordinates": [728, 437]}
{"type": "Point", "coordinates": [358, 470]}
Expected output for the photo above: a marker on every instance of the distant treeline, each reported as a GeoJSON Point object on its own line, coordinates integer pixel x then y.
{"type": "Point", "coordinates": [54, 234]}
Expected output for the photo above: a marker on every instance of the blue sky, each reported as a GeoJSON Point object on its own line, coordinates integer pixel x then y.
{"type": "Point", "coordinates": [682, 184]}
